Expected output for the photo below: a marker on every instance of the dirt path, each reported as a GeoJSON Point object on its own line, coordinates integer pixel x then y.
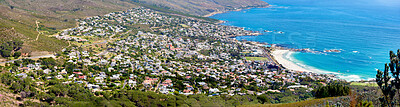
{"type": "Point", "coordinates": [37, 30]}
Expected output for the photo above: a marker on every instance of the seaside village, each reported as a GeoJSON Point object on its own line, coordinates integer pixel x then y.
{"type": "Point", "coordinates": [150, 51]}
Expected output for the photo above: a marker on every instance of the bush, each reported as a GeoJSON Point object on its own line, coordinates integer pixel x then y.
{"type": "Point", "coordinates": [332, 91]}
{"type": "Point", "coordinates": [17, 54]}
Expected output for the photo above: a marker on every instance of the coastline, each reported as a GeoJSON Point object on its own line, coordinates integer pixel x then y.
{"type": "Point", "coordinates": [240, 9]}
{"type": "Point", "coordinates": [280, 56]}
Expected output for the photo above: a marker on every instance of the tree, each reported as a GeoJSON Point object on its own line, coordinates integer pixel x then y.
{"type": "Point", "coordinates": [17, 54]}
{"type": "Point", "coordinates": [7, 47]}
{"type": "Point", "coordinates": [365, 104]}
{"type": "Point", "coordinates": [332, 90]}
{"type": "Point", "coordinates": [263, 99]}
{"type": "Point", "coordinates": [395, 70]}
{"type": "Point", "coordinates": [5, 53]}
{"type": "Point", "coordinates": [383, 80]}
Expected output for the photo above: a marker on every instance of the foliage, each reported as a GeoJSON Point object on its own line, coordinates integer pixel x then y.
{"type": "Point", "coordinates": [256, 58]}
{"type": "Point", "coordinates": [365, 104]}
{"type": "Point", "coordinates": [8, 47]}
{"type": "Point", "coordinates": [332, 90]}
{"type": "Point", "coordinates": [387, 86]}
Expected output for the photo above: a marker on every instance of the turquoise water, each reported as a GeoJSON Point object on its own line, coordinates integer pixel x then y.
{"type": "Point", "coordinates": [365, 31]}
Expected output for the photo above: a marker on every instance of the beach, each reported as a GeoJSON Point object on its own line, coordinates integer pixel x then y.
{"type": "Point", "coordinates": [279, 56]}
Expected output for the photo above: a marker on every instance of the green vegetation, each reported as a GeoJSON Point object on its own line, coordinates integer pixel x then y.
{"type": "Point", "coordinates": [8, 48]}
{"type": "Point", "coordinates": [256, 58]}
{"type": "Point", "coordinates": [365, 104]}
{"type": "Point", "coordinates": [203, 7]}
{"type": "Point", "coordinates": [390, 87]}
{"type": "Point", "coordinates": [332, 90]}
{"type": "Point", "coordinates": [364, 84]}
{"type": "Point", "coordinates": [76, 95]}
{"type": "Point", "coordinates": [169, 11]}
{"type": "Point", "coordinates": [311, 102]}
{"type": "Point", "coordinates": [20, 16]}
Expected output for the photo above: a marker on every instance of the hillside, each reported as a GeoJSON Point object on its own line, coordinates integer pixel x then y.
{"type": "Point", "coordinates": [25, 19]}
{"type": "Point", "coordinates": [33, 20]}
{"type": "Point", "coordinates": [204, 7]}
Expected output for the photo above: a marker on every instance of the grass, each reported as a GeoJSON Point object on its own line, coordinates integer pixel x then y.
{"type": "Point", "coordinates": [311, 102]}
{"type": "Point", "coordinates": [257, 58]}
{"type": "Point", "coordinates": [185, 26]}
{"type": "Point", "coordinates": [19, 23]}
{"type": "Point", "coordinates": [364, 84]}
{"type": "Point", "coordinates": [28, 34]}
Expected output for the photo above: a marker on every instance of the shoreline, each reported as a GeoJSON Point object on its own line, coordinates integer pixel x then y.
{"type": "Point", "coordinates": [224, 11]}
{"type": "Point", "coordinates": [280, 55]}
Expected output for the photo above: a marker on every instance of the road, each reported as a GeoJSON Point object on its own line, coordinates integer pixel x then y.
{"type": "Point", "coordinates": [124, 84]}
{"type": "Point", "coordinates": [34, 57]}
{"type": "Point", "coordinates": [268, 55]}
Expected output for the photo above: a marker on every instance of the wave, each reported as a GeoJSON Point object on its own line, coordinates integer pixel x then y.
{"type": "Point", "coordinates": [279, 7]}
{"type": "Point", "coordinates": [350, 77]}
{"type": "Point", "coordinates": [289, 56]}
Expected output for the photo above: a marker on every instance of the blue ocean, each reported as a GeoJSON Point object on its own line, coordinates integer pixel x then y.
{"type": "Point", "coordinates": [364, 30]}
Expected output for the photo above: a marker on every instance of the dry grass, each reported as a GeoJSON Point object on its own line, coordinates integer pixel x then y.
{"type": "Point", "coordinates": [308, 103]}
{"type": "Point", "coordinates": [17, 19]}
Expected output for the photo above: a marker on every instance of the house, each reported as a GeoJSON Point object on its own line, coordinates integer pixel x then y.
{"type": "Point", "coordinates": [99, 79]}
{"type": "Point", "coordinates": [46, 71]}
{"type": "Point", "coordinates": [82, 77]}
{"type": "Point", "coordinates": [22, 75]}
{"type": "Point", "coordinates": [115, 76]}
{"type": "Point", "coordinates": [59, 77]}
{"type": "Point", "coordinates": [213, 90]}
{"type": "Point", "coordinates": [131, 83]}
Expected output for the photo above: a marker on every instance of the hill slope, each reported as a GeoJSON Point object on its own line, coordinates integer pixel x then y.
{"type": "Point", "coordinates": [25, 19]}
{"type": "Point", "coordinates": [204, 7]}
{"type": "Point", "coordinates": [33, 20]}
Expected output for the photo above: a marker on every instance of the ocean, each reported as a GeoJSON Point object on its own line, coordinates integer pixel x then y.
{"type": "Point", "coordinates": [364, 30]}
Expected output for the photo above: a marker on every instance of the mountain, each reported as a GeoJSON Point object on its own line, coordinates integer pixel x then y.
{"type": "Point", "coordinates": [204, 7]}
{"type": "Point", "coordinates": [33, 20]}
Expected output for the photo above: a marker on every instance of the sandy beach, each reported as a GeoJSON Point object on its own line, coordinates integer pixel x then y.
{"type": "Point", "coordinates": [280, 55]}
{"type": "Point", "coordinates": [213, 13]}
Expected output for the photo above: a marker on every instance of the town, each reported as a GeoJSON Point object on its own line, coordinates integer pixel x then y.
{"type": "Point", "coordinates": [150, 51]}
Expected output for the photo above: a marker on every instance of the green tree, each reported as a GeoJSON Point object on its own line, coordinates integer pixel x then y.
{"type": "Point", "coordinates": [394, 67]}
{"type": "Point", "coordinates": [17, 54]}
{"type": "Point", "coordinates": [263, 99]}
{"type": "Point", "coordinates": [5, 53]}
{"type": "Point", "coordinates": [383, 81]}
{"type": "Point", "coordinates": [365, 104]}
{"type": "Point", "coordinates": [332, 90]}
